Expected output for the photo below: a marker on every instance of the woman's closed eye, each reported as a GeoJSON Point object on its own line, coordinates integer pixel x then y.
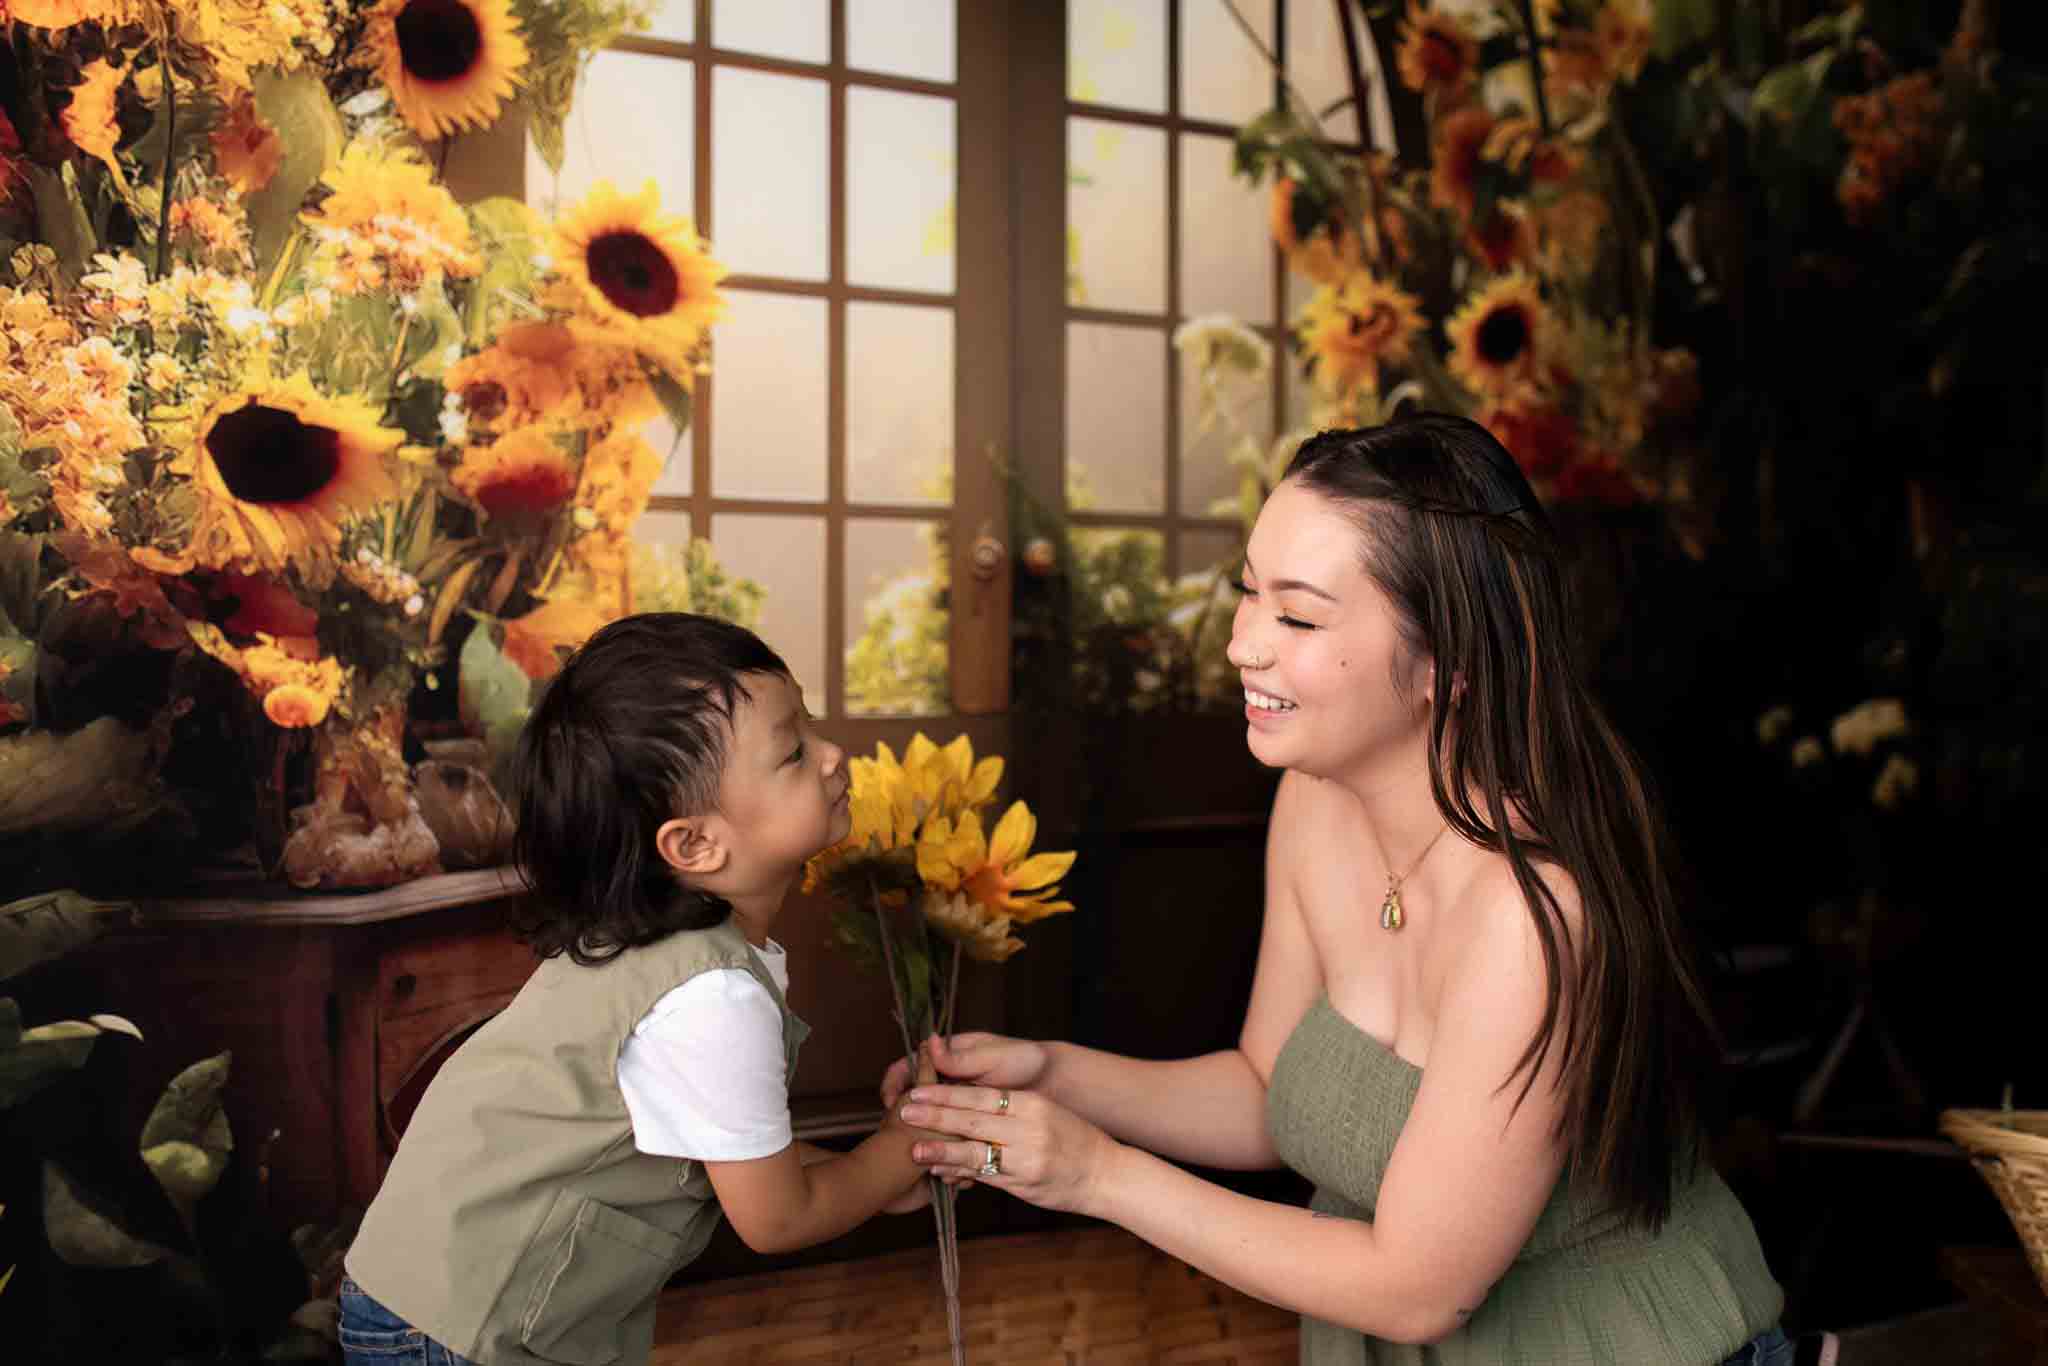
{"type": "Point", "coordinates": [1245, 590]}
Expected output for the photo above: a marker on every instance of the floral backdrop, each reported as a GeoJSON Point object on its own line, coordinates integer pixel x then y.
{"type": "Point", "coordinates": [294, 447]}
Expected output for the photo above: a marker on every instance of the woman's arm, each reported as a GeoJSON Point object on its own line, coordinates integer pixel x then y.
{"type": "Point", "coordinates": [1468, 1178]}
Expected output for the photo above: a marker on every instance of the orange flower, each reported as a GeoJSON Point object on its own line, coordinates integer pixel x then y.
{"type": "Point", "coordinates": [1542, 440]}
{"type": "Point", "coordinates": [1503, 240]}
{"type": "Point", "coordinates": [534, 641]}
{"type": "Point", "coordinates": [246, 150]}
{"type": "Point", "coordinates": [1437, 55]}
{"type": "Point", "coordinates": [264, 606]}
{"type": "Point", "coordinates": [523, 475]}
{"type": "Point", "coordinates": [294, 706]}
{"type": "Point", "coordinates": [217, 230]}
{"type": "Point", "coordinates": [1454, 172]}
{"type": "Point", "coordinates": [1349, 330]}
{"type": "Point", "coordinates": [89, 118]}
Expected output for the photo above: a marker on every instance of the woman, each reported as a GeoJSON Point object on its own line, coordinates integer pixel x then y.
{"type": "Point", "coordinates": [1473, 1025]}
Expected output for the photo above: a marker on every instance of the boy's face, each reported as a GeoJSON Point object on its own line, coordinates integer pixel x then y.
{"type": "Point", "coordinates": [783, 795]}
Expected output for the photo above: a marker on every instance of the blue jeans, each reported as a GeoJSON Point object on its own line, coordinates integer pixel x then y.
{"type": "Point", "coordinates": [372, 1335]}
{"type": "Point", "coordinates": [1769, 1348]}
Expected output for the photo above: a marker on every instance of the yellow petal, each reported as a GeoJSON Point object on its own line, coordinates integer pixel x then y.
{"type": "Point", "coordinates": [1040, 870]}
{"type": "Point", "coordinates": [920, 753]}
{"type": "Point", "coordinates": [982, 783]}
{"type": "Point", "coordinates": [1012, 840]}
{"type": "Point", "coordinates": [1026, 911]}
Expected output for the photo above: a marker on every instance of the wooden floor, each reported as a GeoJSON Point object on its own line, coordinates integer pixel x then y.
{"type": "Point", "coordinates": [1073, 1296]}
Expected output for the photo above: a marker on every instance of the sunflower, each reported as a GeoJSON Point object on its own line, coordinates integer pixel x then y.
{"type": "Point", "coordinates": [1349, 329]}
{"type": "Point", "coordinates": [1437, 55]}
{"type": "Point", "coordinates": [1001, 873]}
{"type": "Point", "coordinates": [448, 64]}
{"type": "Point", "coordinates": [535, 641]}
{"type": "Point", "coordinates": [62, 14]}
{"type": "Point", "coordinates": [89, 118]}
{"type": "Point", "coordinates": [308, 681]}
{"type": "Point", "coordinates": [295, 706]}
{"type": "Point", "coordinates": [278, 468]}
{"type": "Point", "coordinates": [522, 476]}
{"type": "Point", "coordinates": [641, 279]}
{"type": "Point", "coordinates": [1518, 145]}
{"type": "Point", "coordinates": [1499, 337]}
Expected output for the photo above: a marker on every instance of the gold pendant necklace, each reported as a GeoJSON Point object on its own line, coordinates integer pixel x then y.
{"type": "Point", "coordinates": [1391, 915]}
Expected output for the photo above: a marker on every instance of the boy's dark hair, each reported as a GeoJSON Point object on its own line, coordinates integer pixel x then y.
{"type": "Point", "coordinates": [630, 734]}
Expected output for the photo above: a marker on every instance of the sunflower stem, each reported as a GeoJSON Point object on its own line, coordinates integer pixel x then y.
{"type": "Point", "coordinates": [163, 207]}
{"type": "Point", "coordinates": [1528, 8]}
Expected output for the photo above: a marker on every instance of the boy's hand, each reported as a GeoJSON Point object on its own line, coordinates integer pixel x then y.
{"type": "Point", "coordinates": [916, 1198]}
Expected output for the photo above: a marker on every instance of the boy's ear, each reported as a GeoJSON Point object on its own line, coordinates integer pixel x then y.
{"type": "Point", "coordinates": [687, 845]}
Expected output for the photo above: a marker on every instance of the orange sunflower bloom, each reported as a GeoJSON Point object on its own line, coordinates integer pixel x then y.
{"type": "Point", "coordinates": [640, 279]}
{"type": "Point", "coordinates": [1351, 329]}
{"type": "Point", "coordinates": [1500, 337]}
{"type": "Point", "coordinates": [535, 642]}
{"type": "Point", "coordinates": [89, 119]}
{"type": "Point", "coordinates": [449, 64]}
{"type": "Point", "coordinates": [246, 150]}
{"type": "Point", "coordinates": [1001, 873]}
{"type": "Point", "coordinates": [278, 469]}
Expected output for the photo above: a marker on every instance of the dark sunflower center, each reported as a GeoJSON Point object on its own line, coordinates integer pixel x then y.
{"type": "Point", "coordinates": [1503, 336]}
{"type": "Point", "coordinates": [438, 40]}
{"type": "Point", "coordinates": [266, 455]}
{"type": "Point", "coordinates": [633, 273]}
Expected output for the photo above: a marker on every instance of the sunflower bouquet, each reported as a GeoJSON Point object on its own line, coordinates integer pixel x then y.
{"type": "Point", "coordinates": [291, 441]}
{"type": "Point", "coordinates": [1512, 278]}
{"type": "Point", "coordinates": [921, 887]}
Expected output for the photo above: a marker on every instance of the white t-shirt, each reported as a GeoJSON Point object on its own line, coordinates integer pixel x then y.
{"type": "Point", "coordinates": [704, 1074]}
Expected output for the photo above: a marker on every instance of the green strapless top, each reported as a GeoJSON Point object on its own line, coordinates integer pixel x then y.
{"type": "Point", "coordinates": [1582, 1292]}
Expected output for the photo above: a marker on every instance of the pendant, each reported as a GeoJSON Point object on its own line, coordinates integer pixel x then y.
{"type": "Point", "coordinates": [1390, 910]}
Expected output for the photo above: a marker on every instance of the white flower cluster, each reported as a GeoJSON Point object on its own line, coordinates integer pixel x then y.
{"type": "Point", "coordinates": [384, 581]}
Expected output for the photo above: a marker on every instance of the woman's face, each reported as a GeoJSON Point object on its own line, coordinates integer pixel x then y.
{"type": "Point", "coordinates": [1318, 645]}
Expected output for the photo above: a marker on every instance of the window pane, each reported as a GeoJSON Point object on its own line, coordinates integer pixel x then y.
{"type": "Point", "coordinates": [1243, 407]}
{"type": "Point", "coordinates": [1116, 418]}
{"type": "Point", "coordinates": [912, 38]}
{"type": "Point", "coordinates": [663, 526]}
{"type": "Point", "coordinates": [797, 30]}
{"type": "Point", "coordinates": [770, 191]}
{"type": "Point", "coordinates": [768, 379]}
{"type": "Point", "coordinates": [1202, 551]}
{"type": "Point", "coordinates": [896, 618]}
{"type": "Point", "coordinates": [675, 20]}
{"type": "Point", "coordinates": [1223, 76]}
{"type": "Point", "coordinates": [1315, 65]}
{"type": "Point", "coordinates": [899, 190]}
{"type": "Point", "coordinates": [786, 556]}
{"type": "Point", "coordinates": [1116, 216]}
{"type": "Point", "coordinates": [1116, 53]}
{"type": "Point", "coordinates": [634, 117]}
{"type": "Point", "coordinates": [1226, 248]}
{"type": "Point", "coordinates": [899, 404]}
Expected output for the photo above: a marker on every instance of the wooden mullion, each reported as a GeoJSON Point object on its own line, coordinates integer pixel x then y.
{"type": "Point", "coordinates": [835, 383]}
{"type": "Point", "coordinates": [1110, 113]}
{"type": "Point", "coordinates": [1175, 130]}
{"type": "Point", "coordinates": [831, 289]}
{"type": "Point", "coordinates": [702, 416]}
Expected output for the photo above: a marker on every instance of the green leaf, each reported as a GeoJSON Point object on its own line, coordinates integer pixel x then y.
{"type": "Point", "coordinates": [189, 1111]}
{"type": "Point", "coordinates": [309, 129]}
{"type": "Point", "coordinates": [508, 237]}
{"type": "Point", "coordinates": [186, 1171]}
{"type": "Point", "coordinates": [434, 327]}
{"type": "Point", "coordinates": [18, 674]}
{"type": "Point", "coordinates": [492, 690]}
{"type": "Point", "coordinates": [82, 1236]}
{"type": "Point", "coordinates": [61, 217]}
{"type": "Point", "coordinates": [675, 399]}
{"type": "Point", "coordinates": [1678, 24]}
{"type": "Point", "coordinates": [41, 1055]}
{"type": "Point", "coordinates": [38, 928]}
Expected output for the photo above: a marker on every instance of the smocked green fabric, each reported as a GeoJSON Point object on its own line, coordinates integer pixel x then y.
{"type": "Point", "coordinates": [1583, 1292]}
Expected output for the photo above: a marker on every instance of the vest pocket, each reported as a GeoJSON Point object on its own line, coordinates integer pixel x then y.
{"type": "Point", "coordinates": [602, 1267]}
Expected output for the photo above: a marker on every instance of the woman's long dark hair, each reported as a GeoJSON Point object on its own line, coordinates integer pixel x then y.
{"type": "Point", "coordinates": [1455, 538]}
{"type": "Point", "coordinates": [631, 732]}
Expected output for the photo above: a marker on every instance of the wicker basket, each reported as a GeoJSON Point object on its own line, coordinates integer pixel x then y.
{"type": "Point", "coordinates": [2011, 1150]}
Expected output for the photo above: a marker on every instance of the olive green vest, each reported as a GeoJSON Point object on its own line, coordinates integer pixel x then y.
{"type": "Point", "coordinates": [518, 1224]}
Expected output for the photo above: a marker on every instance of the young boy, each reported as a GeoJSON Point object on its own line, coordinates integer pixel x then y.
{"type": "Point", "coordinates": [580, 1148]}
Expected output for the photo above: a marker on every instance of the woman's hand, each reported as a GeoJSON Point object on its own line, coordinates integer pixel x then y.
{"type": "Point", "coordinates": [990, 1059]}
{"type": "Point", "coordinates": [1046, 1154]}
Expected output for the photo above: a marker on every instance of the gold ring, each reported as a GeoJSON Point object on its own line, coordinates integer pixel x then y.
{"type": "Point", "coordinates": [1002, 1102]}
{"type": "Point", "coordinates": [992, 1164]}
